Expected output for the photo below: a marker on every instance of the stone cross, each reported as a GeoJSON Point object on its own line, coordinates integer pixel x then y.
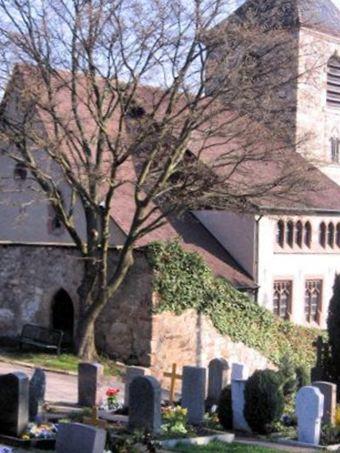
{"type": "Point", "coordinates": [14, 399]}
{"type": "Point", "coordinates": [173, 376]}
{"type": "Point", "coordinates": [90, 376]}
{"type": "Point", "coordinates": [75, 437]}
{"type": "Point", "coordinates": [193, 393]}
{"type": "Point", "coordinates": [145, 405]}
{"type": "Point", "coordinates": [329, 406]}
{"type": "Point", "coordinates": [94, 419]}
{"type": "Point", "coordinates": [131, 373]}
{"type": "Point", "coordinates": [309, 410]}
{"type": "Point", "coordinates": [37, 390]}
{"type": "Point", "coordinates": [239, 376]}
{"type": "Point", "coordinates": [217, 380]}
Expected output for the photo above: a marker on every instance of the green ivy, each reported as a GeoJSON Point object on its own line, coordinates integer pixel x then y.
{"type": "Point", "coordinates": [183, 281]}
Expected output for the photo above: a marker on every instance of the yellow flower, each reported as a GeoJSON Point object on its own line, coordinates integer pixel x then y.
{"type": "Point", "coordinates": [25, 437]}
{"type": "Point", "coordinates": [337, 415]}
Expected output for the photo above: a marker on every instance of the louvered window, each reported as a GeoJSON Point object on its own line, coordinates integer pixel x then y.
{"type": "Point", "coordinates": [333, 82]}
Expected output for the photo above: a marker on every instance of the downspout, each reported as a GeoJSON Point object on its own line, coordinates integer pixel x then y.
{"type": "Point", "coordinates": [256, 253]}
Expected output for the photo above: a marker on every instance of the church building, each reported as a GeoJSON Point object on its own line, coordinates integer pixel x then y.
{"type": "Point", "coordinates": [285, 256]}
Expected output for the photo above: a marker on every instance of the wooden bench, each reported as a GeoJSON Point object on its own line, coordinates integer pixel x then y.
{"type": "Point", "coordinates": [41, 337]}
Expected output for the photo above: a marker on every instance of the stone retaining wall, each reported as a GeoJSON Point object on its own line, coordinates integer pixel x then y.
{"type": "Point", "coordinates": [191, 339]}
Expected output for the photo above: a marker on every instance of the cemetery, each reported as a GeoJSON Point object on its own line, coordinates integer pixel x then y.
{"type": "Point", "coordinates": [202, 406]}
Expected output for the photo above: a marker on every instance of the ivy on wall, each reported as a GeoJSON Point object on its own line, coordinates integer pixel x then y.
{"type": "Point", "coordinates": [183, 281]}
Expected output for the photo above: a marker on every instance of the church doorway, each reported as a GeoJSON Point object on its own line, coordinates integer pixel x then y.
{"type": "Point", "coordinates": [63, 315]}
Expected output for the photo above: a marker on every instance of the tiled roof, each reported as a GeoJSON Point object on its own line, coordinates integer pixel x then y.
{"type": "Point", "coordinates": [321, 15]}
{"type": "Point", "coordinates": [324, 197]}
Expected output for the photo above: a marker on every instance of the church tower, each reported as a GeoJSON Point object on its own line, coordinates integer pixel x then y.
{"type": "Point", "coordinates": [283, 61]}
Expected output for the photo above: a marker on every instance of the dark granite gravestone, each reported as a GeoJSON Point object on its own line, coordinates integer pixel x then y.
{"type": "Point", "coordinates": [218, 379]}
{"type": "Point", "coordinates": [78, 438]}
{"type": "Point", "coordinates": [131, 373]}
{"type": "Point", "coordinates": [89, 378]}
{"type": "Point", "coordinates": [37, 390]}
{"type": "Point", "coordinates": [329, 404]}
{"type": "Point", "coordinates": [145, 404]}
{"type": "Point", "coordinates": [193, 393]}
{"type": "Point", "coordinates": [14, 395]}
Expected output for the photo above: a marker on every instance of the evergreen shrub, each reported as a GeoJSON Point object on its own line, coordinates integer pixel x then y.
{"type": "Point", "coordinates": [224, 409]}
{"type": "Point", "coordinates": [264, 400]}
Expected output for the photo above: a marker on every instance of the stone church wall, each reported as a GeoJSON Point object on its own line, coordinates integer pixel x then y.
{"type": "Point", "coordinates": [31, 275]}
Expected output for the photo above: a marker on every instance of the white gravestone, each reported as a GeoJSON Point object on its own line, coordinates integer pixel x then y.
{"type": "Point", "coordinates": [309, 411]}
{"type": "Point", "coordinates": [239, 376]}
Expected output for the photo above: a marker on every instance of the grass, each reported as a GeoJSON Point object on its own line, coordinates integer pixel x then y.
{"type": "Point", "coordinates": [220, 447]}
{"type": "Point", "coordinates": [64, 362]}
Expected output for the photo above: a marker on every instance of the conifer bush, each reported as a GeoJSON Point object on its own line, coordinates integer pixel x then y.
{"type": "Point", "coordinates": [333, 324]}
{"type": "Point", "coordinates": [264, 400]}
{"type": "Point", "coordinates": [224, 409]}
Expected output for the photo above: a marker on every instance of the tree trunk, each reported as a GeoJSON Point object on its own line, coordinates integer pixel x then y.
{"type": "Point", "coordinates": [85, 339]}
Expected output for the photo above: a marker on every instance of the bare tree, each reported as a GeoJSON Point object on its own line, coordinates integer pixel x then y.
{"type": "Point", "coordinates": [110, 96]}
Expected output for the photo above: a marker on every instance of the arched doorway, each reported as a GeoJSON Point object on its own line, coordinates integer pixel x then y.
{"type": "Point", "coordinates": [63, 315]}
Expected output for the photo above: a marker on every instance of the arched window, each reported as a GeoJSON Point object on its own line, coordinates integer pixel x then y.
{"type": "Point", "coordinates": [20, 172]}
{"type": "Point", "coordinates": [280, 233]}
{"type": "Point", "coordinates": [298, 233]}
{"type": "Point", "coordinates": [335, 149]}
{"type": "Point", "coordinates": [290, 233]}
{"type": "Point", "coordinates": [338, 235]}
{"type": "Point", "coordinates": [308, 235]}
{"type": "Point", "coordinates": [330, 234]}
{"type": "Point", "coordinates": [333, 82]}
{"type": "Point", "coordinates": [322, 234]}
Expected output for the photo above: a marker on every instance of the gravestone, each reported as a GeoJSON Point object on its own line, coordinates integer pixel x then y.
{"type": "Point", "coordinates": [218, 378]}
{"type": "Point", "coordinates": [75, 437]}
{"type": "Point", "coordinates": [329, 405]}
{"type": "Point", "coordinates": [309, 411]}
{"type": "Point", "coordinates": [239, 372]}
{"type": "Point", "coordinates": [90, 376]}
{"type": "Point", "coordinates": [145, 405]}
{"type": "Point", "coordinates": [239, 376]}
{"type": "Point", "coordinates": [14, 399]}
{"type": "Point", "coordinates": [193, 393]}
{"type": "Point", "coordinates": [131, 373]}
{"type": "Point", "coordinates": [37, 390]}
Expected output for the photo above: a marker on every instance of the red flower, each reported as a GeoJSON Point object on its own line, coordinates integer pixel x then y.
{"type": "Point", "coordinates": [111, 391]}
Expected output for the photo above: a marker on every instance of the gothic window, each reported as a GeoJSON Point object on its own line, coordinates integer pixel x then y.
{"type": "Point", "coordinates": [322, 234]}
{"type": "Point", "coordinates": [330, 234]}
{"type": "Point", "coordinates": [338, 235]}
{"type": "Point", "coordinates": [299, 233]}
{"type": "Point", "coordinates": [335, 149]}
{"type": "Point", "coordinates": [282, 298]}
{"type": "Point", "coordinates": [20, 172]}
{"type": "Point", "coordinates": [290, 233]}
{"type": "Point", "coordinates": [313, 300]}
{"type": "Point", "coordinates": [55, 225]}
{"type": "Point", "coordinates": [333, 82]}
{"type": "Point", "coordinates": [308, 235]}
{"type": "Point", "coordinates": [280, 233]}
